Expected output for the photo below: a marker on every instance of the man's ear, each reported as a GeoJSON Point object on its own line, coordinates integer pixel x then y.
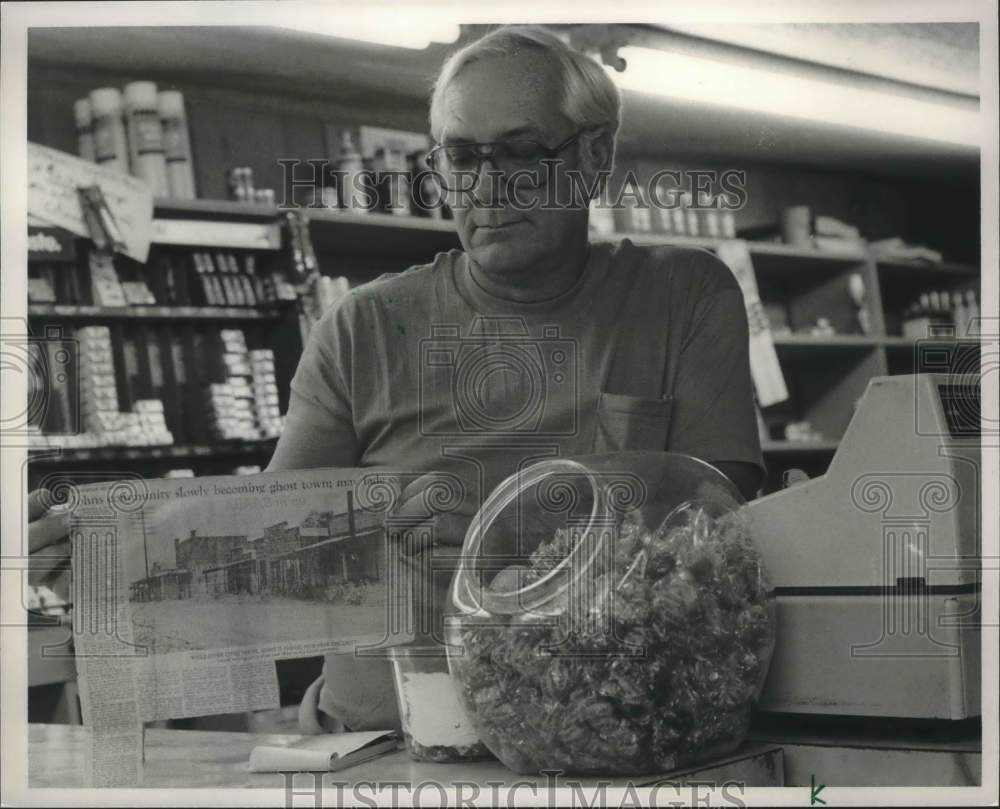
{"type": "Point", "coordinates": [597, 152]}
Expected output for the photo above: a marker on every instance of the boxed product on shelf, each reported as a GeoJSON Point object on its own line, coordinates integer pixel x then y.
{"type": "Point", "coordinates": [235, 336]}
{"type": "Point", "coordinates": [137, 293]}
{"type": "Point", "coordinates": [148, 406]}
{"type": "Point", "coordinates": [105, 287]}
{"type": "Point", "coordinates": [941, 311]}
{"type": "Point", "coordinates": [231, 406]}
{"type": "Point", "coordinates": [40, 290]}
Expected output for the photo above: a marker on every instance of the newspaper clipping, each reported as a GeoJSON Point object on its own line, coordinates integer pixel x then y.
{"type": "Point", "coordinates": [188, 590]}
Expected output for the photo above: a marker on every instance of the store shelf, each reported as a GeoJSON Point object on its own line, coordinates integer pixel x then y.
{"type": "Point", "coordinates": [412, 237]}
{"type": "Point", "coordinates": [57, 456]}
{"type": "Point", "coordinates": [927, 266]}
{"type": "Point", "coordinates": [798, 447]}
{"type": "Point", "coordinates": [352, 232]}
{"type": "Point", "coordinates": [656, 239]}
{"type": "Point", "coordinates": [173, 313]}
{"type": "Point", "coordinates": [911, 342]}
{"type": "Point", "coordinates": [222, 209]}
{"type": "Point", "coordinates": [833, 341]}
{"type": "Point", "coordinates": [217, 233]}
{"type": "Point", "coordinates": [331, 229]}
{"type": "Point", "coordinates": [778, 250]}
{"type": "Point", "coordinates": [768, 255]}
{"type": "Point", "coordinates": [804, 347]}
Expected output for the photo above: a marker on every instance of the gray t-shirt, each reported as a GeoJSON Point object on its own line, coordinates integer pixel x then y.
{"type": "Point", "coordinates": [425, 370]}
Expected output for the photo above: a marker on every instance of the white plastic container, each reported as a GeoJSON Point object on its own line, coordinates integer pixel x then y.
{"type": "Point", "coordinates": [84, 128]}
{"type": "Point", "coordinates": [435, 725]}
{"type": "Point", "coordinates": [145, 136]}
{"type": "Point", "coordinates": [177, 145]}
{"type": "Point", "coordinates": [110, 144]}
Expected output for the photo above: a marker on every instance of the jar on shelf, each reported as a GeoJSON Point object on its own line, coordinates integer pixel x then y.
{"type": "Point", "coordinates": [611, 616]}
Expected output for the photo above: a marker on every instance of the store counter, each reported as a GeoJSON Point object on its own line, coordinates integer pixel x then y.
{"type": "Point", "coordinates": [212, 759]}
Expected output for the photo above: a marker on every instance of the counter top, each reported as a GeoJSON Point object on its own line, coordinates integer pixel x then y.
{"type": "Point", "coordinates": [198, 758]}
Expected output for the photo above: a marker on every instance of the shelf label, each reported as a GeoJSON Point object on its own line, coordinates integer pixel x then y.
{"type": "Point", "coordinates": [190, 232]}
{"type": "Point", "coordinates": [54, 178]}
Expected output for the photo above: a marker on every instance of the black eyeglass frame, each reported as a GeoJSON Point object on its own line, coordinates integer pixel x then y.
{"type": "Point", "coordinates": [487, 151]}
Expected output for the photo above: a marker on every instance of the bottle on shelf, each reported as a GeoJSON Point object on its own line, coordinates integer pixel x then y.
{"type": "Point", "coordinates": [176, 145]}
{"type": "Point", "coordinates": [110, 142]}
{"type": "Point", "coordinates": [84, 119]}
{"type": "Point", "coordinates": [145, 136]}
{"type": "Point", "coordinates": [691, 215]}
{"type": "Point", "coordinates": [350, 168]}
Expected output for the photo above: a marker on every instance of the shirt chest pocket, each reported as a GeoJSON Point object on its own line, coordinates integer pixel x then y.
{"type": "Point", "coordinates": [631, 423]}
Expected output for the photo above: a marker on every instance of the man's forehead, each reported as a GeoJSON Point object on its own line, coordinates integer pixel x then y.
{"type": "Point", "coordinates": [498, 97]}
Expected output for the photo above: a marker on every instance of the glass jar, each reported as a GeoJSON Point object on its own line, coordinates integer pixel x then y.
{"type": "Point", "coordinates": [611, 616]}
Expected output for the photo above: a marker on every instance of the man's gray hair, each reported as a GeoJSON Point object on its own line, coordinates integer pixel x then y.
{"type": "Point", "coordinates": [590, 99]}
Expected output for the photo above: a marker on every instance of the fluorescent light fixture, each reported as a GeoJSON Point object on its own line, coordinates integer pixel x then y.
{"type": "Point", "coordinates": [398, 30]}
{"type": "Point", "coordinates": [705, 80]}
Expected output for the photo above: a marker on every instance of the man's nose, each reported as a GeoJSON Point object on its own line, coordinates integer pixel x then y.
{"type": "Point", "coordinates": [489, 187]}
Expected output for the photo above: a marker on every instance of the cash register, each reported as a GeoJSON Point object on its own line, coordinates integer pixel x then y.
{"type": "Point", "coordinates": [876, 564]}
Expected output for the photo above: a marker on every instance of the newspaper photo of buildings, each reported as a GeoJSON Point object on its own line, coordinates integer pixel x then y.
{"type": "Point", "coordinates": [250, 571]}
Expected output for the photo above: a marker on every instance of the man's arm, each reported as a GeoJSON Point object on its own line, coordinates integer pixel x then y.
{"type": "Point", "coordinates": [319, 425]}
{"type": "Point", "coordinates": [313, 437]}
{"type": "Point", "coordinates": [713, 415]}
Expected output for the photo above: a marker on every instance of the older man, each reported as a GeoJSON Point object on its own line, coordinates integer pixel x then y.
{"type": "Point", "coordinates": [577, 347]}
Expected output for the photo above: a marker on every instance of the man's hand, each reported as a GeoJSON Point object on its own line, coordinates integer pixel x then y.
{"type": "Point", "coordinates": [48, 533]}
{"type": "Point", "coordinates": [440, 505]}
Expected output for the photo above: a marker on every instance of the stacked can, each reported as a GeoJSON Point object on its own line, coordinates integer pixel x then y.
{"type": "Point", "coordinates": [230, 404]}
{"type": "Point", "coordinates": [98, 391]}
{"type": "Point", "coordinates": [152, 422]}
{"type": "Point", "coordinates": [265, 393]}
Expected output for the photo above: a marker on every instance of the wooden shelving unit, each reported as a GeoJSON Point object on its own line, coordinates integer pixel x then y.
{"type": "Point", "coordinates": [799, 447]}
{"type": "Point", "coordinates": [171, 352]}
{"type": "Point", "coordinates": [57, 457]}
{"type": "Point", "coordinates": [172, 313]}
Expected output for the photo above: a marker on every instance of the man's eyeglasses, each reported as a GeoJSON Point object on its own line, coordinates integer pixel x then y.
{"type": "Point", "coordinates": [520, 160]}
